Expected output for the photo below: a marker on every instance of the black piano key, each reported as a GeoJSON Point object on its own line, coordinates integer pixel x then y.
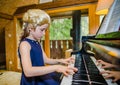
{"type": "Point", "coordinates": [98, 78]}
{"type": "Point", "coordinates": [93, 71]}
{"type": "Point", "coordinates": [81, 72]}
{"type": "Point", "coordinates": [88, 73]}
{"type": "Point", "coordinates": [118, 82]}
{"type": "Point", "coordinates": [80, 77]}
{"type": "Point", "coordinates": [97, 84]}
{"type": "Point", "coordinates": [80, 83]}
{"type": "Point", "coordinates": [91, 67]}
{"type": "Point", "coordinates": [86, 83]}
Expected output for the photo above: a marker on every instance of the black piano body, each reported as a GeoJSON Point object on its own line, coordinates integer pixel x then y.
{"type": "Point", "coordinates": [104, 45]}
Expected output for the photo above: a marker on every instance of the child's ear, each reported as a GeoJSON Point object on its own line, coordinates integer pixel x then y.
{"type": "Point", "coordinates": [30, 30]}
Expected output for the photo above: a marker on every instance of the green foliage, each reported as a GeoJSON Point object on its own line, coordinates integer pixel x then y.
{"type": "Point", "coordinates": [84, 26]}
{"type": "Point", "coordinates": [60, 28]}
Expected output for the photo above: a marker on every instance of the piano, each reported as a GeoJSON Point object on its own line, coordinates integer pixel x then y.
{"type": "Point", "coordinates": [104, 45]}
{"type": "Point", "coordinates": [88, 72]}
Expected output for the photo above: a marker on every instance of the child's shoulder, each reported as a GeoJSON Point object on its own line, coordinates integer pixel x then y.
{"type": "Point", "coordinates": [24, 43]}
{"type": "Point", "coordinates": [25, 40]}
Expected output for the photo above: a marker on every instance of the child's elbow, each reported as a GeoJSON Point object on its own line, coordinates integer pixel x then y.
{"type": "Point", "coordinates": [28, 74]}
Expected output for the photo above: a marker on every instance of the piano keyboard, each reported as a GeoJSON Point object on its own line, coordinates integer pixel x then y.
{"type": "Point", "coordinates": [88, 73]}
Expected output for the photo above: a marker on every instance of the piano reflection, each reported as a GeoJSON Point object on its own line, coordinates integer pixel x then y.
{"type": "Point", "coordinates": [104, 45]}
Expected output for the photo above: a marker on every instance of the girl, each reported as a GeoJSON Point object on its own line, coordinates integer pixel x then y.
{"type": "Point", "coordinates": [32, 56]}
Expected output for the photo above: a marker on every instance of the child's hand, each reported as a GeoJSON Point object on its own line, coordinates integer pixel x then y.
{"type": "Point", "coordinates": [104, 64]}
{"type": "Point", "coordinates": [115, 75]}
{"type": "Point", "coordinates": [67, 61]}
{"type": "Point", "coordinates": [66, 70]}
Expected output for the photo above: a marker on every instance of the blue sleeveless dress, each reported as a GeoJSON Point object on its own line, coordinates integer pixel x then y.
{"type": "Point", "coordinates": [36, 57]}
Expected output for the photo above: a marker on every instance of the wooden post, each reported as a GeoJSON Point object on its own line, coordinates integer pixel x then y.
{"type": "Point", "coordinates": [10, 43]}
{"type": "Point", "coordinates": [47, 43]}
{"type": "Point", "coordinates": [93, 20]}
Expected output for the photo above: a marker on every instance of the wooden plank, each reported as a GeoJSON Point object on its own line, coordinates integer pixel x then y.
{"type": "Point", "coordinates": [27, 2]}
{"type": "Point", "coordinates": [6, 16]}
{"type": "Point", "coordinates": [56, 4]}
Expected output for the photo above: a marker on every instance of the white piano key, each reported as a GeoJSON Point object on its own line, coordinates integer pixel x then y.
{"type": "Point", "coordinates": [67, 80]}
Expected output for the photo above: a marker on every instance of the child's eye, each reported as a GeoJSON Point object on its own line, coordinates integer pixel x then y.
{"type": "Point", "coordinates": [42, 29]}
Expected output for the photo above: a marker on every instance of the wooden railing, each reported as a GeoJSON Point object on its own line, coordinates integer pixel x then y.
{"type": "Point", "coordinates": [58, 48]}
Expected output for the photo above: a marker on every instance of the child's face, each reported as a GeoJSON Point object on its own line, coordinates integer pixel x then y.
{"type": "Point", "coordinates": [39, 31]}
